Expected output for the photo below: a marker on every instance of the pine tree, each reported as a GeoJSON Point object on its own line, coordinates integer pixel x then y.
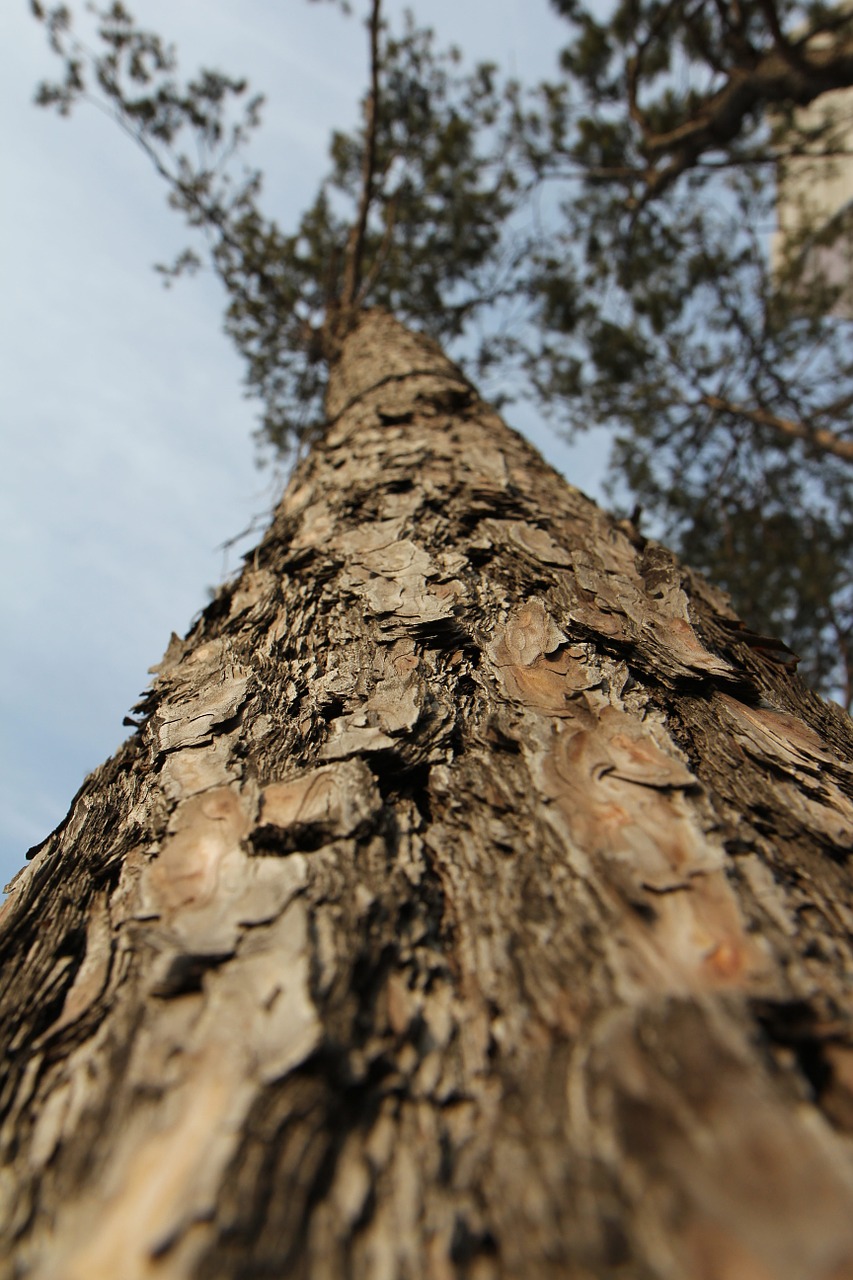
{"type": "Point", "coordinates": [471, 900]}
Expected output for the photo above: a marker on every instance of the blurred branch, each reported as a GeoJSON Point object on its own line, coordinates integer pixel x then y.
{"type": "Point", "coordinates": [819, 437]}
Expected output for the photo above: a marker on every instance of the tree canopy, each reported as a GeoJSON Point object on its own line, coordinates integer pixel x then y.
{"type": "Point", "coordinates": [679, 137]}
{"type": "Point", "coordinates": [630, 202]}
{"type": "Point", "coordinates": [429, 177]}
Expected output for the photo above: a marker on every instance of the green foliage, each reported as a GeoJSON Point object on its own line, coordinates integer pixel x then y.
{"type": "Point", "coordinates": [441, 200]}
{"type": "Point", "coordinates": [728, 379]}
{"type": "Point", "coordinates": [441, 187]}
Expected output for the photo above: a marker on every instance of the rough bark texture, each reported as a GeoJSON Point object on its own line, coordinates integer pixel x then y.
{"type": "Point", "coordinates": [472, 902]}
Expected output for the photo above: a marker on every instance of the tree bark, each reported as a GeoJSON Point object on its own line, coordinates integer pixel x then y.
{"type": "Point", "coordinates": [471, 902]}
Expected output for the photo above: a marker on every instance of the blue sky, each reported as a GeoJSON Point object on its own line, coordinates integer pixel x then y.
{"type": "Point", "coordinates": [126, 458]}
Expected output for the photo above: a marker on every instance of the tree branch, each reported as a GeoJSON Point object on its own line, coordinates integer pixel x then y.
{"type": "Point", "coordinates": [791, 53]}
{"type": "Point", "coordinates": [355, 243]}
{"type": "Point", "coordinates": [774, 79]}
{"type": "Point", "coordinates": [819, 437]}
{"type": "Point", "coordinates": [382, 254]}
{"type": "Point", "coordinates": [633, 69]}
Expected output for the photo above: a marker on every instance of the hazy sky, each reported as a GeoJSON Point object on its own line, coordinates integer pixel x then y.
{"type": "Point", "coordinates": [126, 457]}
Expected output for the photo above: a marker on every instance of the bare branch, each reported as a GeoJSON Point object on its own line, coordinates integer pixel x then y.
{"type": "Point", "coordinates": [355, 244]}
{"type": "Point", "coordinates": [819, 437]}
{"type": "Point", "coordinates": [790, 52]}
{"type": "Point", "coordinates": [775, 79]}
{"type": "Point", "coordinates": [382, 254]}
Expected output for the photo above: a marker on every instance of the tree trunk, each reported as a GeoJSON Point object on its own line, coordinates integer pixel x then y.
{"type": "Point", "coordinates": [473, 901]}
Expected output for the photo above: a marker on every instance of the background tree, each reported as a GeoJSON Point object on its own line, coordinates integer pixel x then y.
{"type": "Point", "coordinates": [727, 374]}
